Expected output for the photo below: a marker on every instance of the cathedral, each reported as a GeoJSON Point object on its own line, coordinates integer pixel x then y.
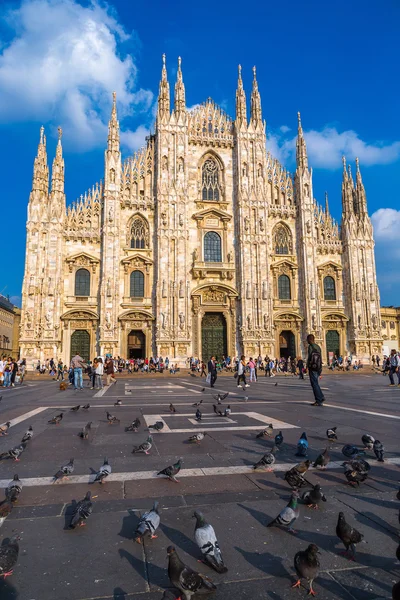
{"type": "Point", "coordinates": [199, 244]}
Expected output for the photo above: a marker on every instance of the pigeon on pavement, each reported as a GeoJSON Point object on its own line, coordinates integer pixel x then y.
{"type": "Point", "coordinates": [148, 524]}
{"type": "Point", "coordinates": [198, 403]}
{"type": "Point", "coordinates": [103, 472]}
{"type": "Point", "coordinates": [306, 565]}
{"type": "Point", "coordinates": [82, 511]}
{"type": "Point", "coordinates": [314, 497]}
{"type": "Point", "coordinates": [6, 507]}
{"type": "Point", "coordinates": [28, 435]}
{"type": "Point", "coordinates": [295, 478]}
{"type": "Point", "coordinates": [144, 447]}
{"type": "Point", "coordinates": [279, 439]}
{"type": "Point", "coordinates": [379, 451]}
{"type": "Point", "coordinates": [172, 471]}
{"type": "Point", "coordinates": [355, 472]}
{"type": "Point", "coordinates": [348, 535]}
{"type": "Point", "coordinates": [84, 434]}
{"type": "Point", "coordinates": [197, 437]}
{"type": "Point", "coordinates": [351, 451]}
{"type": "Point", "coordinates": [64, 471]}
{"type": "Point", "coordinates": [266, 433]}
{"type": "Point", "coordinates": [9, 556]}
{"type": "Point", "coordinates": [198, 415]}
{"type": "Point", "coordinates": [267, 460]}
{"type": "Point", "coordinates": [206, 540]}
{"type": "Point", "coordinates": [289, 514]}
{"type": "Point", "coordinates": [86, 407]}
{"type": "Point", "coordinates": [14, 489]}
{"type": "Point", "coordinates": [56, 420]}
{"type": "Point", "coordinates": [111, 419]}
{"type": "Point", "coordinates": [14, 453]}
{"type": "Point", "coordinates": [189, 582]}
{"type": "Point", "coordinates": [158, 425]}
{"type": "Point", "coordinates": [227, 411]}
{"type": "Point", "coordinates": [134, 425]}
{"type": "Point", "coordinates": [331, 434]}
{"type": "Point", "coordinates": [118, 403]}
{"type": "Point", "coordinates": [302, 445]}
{"type": "Point", "coordinates": [172, 408]}
{"type": "Point", "coordinates": [218, 411]}
{"type": "Point", "coordinates": [322, 460]}
{"type": "Point", "coordinates": [4, 428]}
{"type": "Point", "coordinates": [75, 408]}
{"type": "Point", "coordinates": [220, 397]}
{"type": "Point", "coordinates": [368, 441]}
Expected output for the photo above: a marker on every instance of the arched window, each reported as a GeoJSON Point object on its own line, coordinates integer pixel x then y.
{"type": "Point", "coordinates": [284, 287]}
{"type": "Point", "coordinates": [139, 233]}
{"type": "Point", "coordinates": [137, 284]}
{"type": "Point", "coordinates": [212, 247]}
{"type": "Point", "coordinates": [329, 288]}
{"type": "Point", "coordinates": [210, 180]}
{"type": "Point", "coordinates": [282, 240]}
{"type": "Point", "coordinates": [82, 282]}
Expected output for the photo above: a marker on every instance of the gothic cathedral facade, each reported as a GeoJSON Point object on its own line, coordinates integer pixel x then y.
{"type": "Point", "coordinates": [199, 244]}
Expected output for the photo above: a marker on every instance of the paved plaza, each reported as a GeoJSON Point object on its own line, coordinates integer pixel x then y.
{"type": "Point", "coordinates": [102, 561]}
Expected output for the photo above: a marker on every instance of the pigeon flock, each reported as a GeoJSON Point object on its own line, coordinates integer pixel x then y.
{"type": "Point", "coordinates": [187, 581]}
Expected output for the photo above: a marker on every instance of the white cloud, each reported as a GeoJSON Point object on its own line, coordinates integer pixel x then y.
{"type": "Point", "coordinates": [61, 66]}
{"type": "Point", "coordinates": [284, 128]}
{"type": "Point", "coordinates": [135, 139]}
{"type": "Point", "coordinates": [386, 222]}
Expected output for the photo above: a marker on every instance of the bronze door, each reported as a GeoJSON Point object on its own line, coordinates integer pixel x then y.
{"type": "Point", "coordinates": [80, 344]}
{"type": "Point", "coordinates": [213, 336]}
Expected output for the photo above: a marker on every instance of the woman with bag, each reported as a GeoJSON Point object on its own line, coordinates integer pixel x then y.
{"type": "Point", "coordinates": [242, 372]}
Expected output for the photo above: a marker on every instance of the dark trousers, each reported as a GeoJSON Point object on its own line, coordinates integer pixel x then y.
{"type": "Point", "coordinates": [213, 378]}
{"type": "Point", "coordinates": [391, 373]}
{"type": "Point", "coordinates": [301, 374]}
{"type": "Point", "coordinates": [267, 372]}
{"type": "Point", "coordinates": [241, 378]}
{"type": "Point", "coordinates": [314, 380]}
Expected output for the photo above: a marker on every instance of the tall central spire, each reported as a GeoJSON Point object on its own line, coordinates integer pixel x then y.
{"type": "Point", "coordinates": [241, 111]}
{"type": "Point", "coordinates": [179, 101]}
{"type": "Point", "coordinates": [301, 148]}
{"type": "Point", "coordinates": [40, 167]}
{"type": "Point", "coordinates": [113, 127]}
{"type": "Point", "coordinates": [163, 93]}
{"type": "Point", "coordinates": [255, 111]}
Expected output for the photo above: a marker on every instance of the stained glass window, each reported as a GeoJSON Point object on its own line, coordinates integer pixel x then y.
{"type": "Point", "coordinates": [329, 288]}
{"type": "Point", "coordinates": [210, 180]}
{"type": "Point", "coordinates": [139, 233]}
{"type": "Point", "coordinates": [137, 284]}
{"type": "Point", "coordinates": [212, 247]}
{"type": "Point", "coordinates": [284, 287]}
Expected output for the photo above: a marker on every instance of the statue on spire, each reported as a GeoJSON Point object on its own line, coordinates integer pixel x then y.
{"type": "Point", "coordinates": [301, 148]}
{"type": "Point", "coordinates": [163, 94]}
{"type": "Point", "coordinates": [255, 110]}
{"type": "Point", "coordinates": [113, 127]}
{"type": "Point", "coordinates": [241, 111]}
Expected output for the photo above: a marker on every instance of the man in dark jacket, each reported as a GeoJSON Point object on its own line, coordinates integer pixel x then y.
{"type": "Point", "coordinates": [314, 366]}
{"type": "Point", "coordinates": [212, 369]}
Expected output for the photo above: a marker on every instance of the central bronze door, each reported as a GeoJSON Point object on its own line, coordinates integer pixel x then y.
{"type": "Point", "coordinates": [213, 336]}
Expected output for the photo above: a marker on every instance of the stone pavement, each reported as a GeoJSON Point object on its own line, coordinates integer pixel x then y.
{"type": "Point", "coordinates": [101, 561]}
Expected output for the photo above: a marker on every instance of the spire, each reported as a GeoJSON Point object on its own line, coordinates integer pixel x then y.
{"type": "Point", "coordinates": [301, 148]}
{"type": "Point", "coordinates": [113, 127]}
{"type": "Point", "coordinates": [344, 178]}
{"type": "Point", "coordinates": [179, 100]}
{"type": "Point", "coordinates": [57, 172]}
{"type": "Point", "coordinates": [40, 167]}
{"type": "Point", "coordinates": [255, 110]}
{"type": "Point", "coordinates": [347, 190]}
{"type": "Point", "coordinates": [326, 204]}
{"type": "Point", "coordinates": [163, 94]}
{"type": "Point", "coordinates": [241, 111]}
{"type": "Point", "coordinates": [361, 198]}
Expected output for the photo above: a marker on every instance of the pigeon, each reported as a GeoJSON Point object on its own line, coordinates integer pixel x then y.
{"type": "Point", "coordinates": [331, 434]}
{"type": "Point", "coordinates": [203, 389]}
{"type": "Point", "coordinates": [75, 408]}
{"type": "Point", "coordinates": [197, 437]}
{"type": "Point", "coordinates": [9, 556]}
{"type": "Point", "coordinates": [295, 478]}
{"type": "Point", "coordinates": [268, 432]}
{"type": "Point", "coordinates": [227, 411]}
{"type": "Point", "coordinates": [267, 460]}
{"type": "Point", "coordinates": [198, 403]}
{"type": "Point", "coordinates": [158, 425]}
{"type": "Point", "coordinates": [351, 451]}
{"type": "Point", "coordinates": [172, 408]}
{"type": "Point", "coordinates": [189, 582]}
{"type": "Point", "coordinates": [103, 472]}
{"type": "Point", "coordinates": [84, 434]}
{"type": "Point", "coordinates": [56, 420]}
{"type": "Point", "coordinates": [306, 565]}
{"type": "Point", "coordinates": [276, 384]}
{"type": "Point", "coordinates": [82, 511]}
{"type": "Point", "coordinates": [86, 407]}
{"type": "Point", "coordinates": [4, 428]}
{"type": "Point", "coordinates": [355, 472]}
{"type": "Point", "coordinates": [6, 507]}
{"type": "Point", "coordinates": [171, 471]}
{"type": "Point", "coordinates": [379, 451]}
{"type": "Point", "coordinates": [303, 466]}
{"type": "Point", "coordinates": [218, 411]}
{"type": "Point", "coordinates": [144, 447]}
{"type": "Point", "coordinates": [322, 459]}
{"type": "Point", "coordinates": [198, 415]}
{"type": "Point", "coordinates": [14, 453]}
{"type": "Point", "coordinates": [220, 397]}
{"type": "Point", "coordinates": [302, 445]}
{"type": "Point", "coordinates": [348, 535]}
{"type": "Point", "coordinates": [14, 489]}
{"type": "Point", "coordinates": [368, 441]}
{"type": "Point", "coordinates": [289, 514]}
{"type": "Point", "coordinates": [28, 435]}
{"type": "Point", "coordinates": [148, 524]}
{"type": "Point", "coordinates": [111, 419]}
{"type": "Point", "coordinates": [118, 403]}
{"type": "Point", "coordinates": [245, 398]}
{"type": "Point", "coordinates": [134, 425]}
{"type": "Point", "coordinates": [279, 439]}
{"type": "Point", "coordinates": [64, 471]}
{"type": "Point", "coordinates": [206, 540]}
{"type": "Point", "coordinates": [313, 497]}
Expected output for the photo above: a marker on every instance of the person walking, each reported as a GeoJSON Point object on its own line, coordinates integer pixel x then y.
{"type": "Point", "coordinates": [60, 370]}
{"type": "Point", "coordinates": [242, 372]}
{"type": "Point", "coordinates": [378, 360]}
{"type": "Point", "coordinates": [252, 367]}
{"type": "Point", "coordinates": [8, 369]}
{"type": "Point", "coordinates": [314, 366]}
{"type": "Point", "coordinates": [77, 365]}
{"type": "Point", "coordinates": [300, 366]}
{"type": "Point", "coordinates": [109, 369]}
{"type": "Point", "coordinates": [394, 367]}
{"type": "Point", "coordinates": [203, 369]}
{"type": "Point", "coordinates": [212, 369]}
{"type": "Point", "coordinates": [98, 373]}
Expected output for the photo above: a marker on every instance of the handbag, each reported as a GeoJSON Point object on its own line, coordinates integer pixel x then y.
{"type": "Point", "coordinates": [236, 375]}
{"type": "Point", "coordinates": [208, 378]}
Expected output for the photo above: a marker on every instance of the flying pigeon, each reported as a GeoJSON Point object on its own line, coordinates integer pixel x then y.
{"type": "Point", "coordinates": [368, 441]}
{"type": "Point", "coordinates": [306, 565]}
{"type": "Point", "coordinates": [84, 434]}
{"type": "Point", "coordinates": [302, 445]}
{"type": "Point", "coordinates": [103, 472]}
{"type": "Point", "coordinates": [267, 460]}
{"type": "Point", "coordinates": [14, 453]}
{"type": "Point", "coordinates": [279, 439]}
{"type": "Point", "coordinates": [198, 415]}
{"type": "Point", "coordinates": [75, 408]}
{"type": "Point", "coordinates": [348, 535]}
{"type": "Point", "coordinates": [86, 407]}
{"type": "Point", "coordinates": [9, 556]}
{"type": "Point", "coordinates": [218, 411]}
{"type": "Point", "coordinates": [28, 435]}
{"type": "Point", "coordinates": [227, 411]}
{"type": "Point", "coordinates": [148, 524]}
{"type": "Point", "coordinates": [145, 447]}
{"type": "Point", "coordinates": [171, 471]}
{"type": "Point", "coordinates": [206, 540]}
{"type": "Point", "coordinates": [4, 428]}
{"type": "Point", "coordinates": [351, 451]}
{"type": "Point", "coordinates": [82, 511]}
{"type": "Point", "coordinates": [118, 403]}
{"type": "Point", "coordinates": [379, 451]}
{"type": "Point", "coordinates": [56, 420]}
{"type": "Point", "coordinates": [268, 432]}
{"type": "Point", "coordinates": [189, 582]}
{"type": "Point", "coordinates": [14, 489]}
{"type": "Point", "coordinates": [322, 459]}
{"type": "Point", "coordinates": [111, 419]}
{"type": "Point", "coordinates": [197, 437]}
{"type": "Point", "coordinates": [64, 471]}
{"type": "Point", "coordinates": [331, 434]}
{"type": "Point", "coordinates": [289, 514]}
{"type": "Point", "coordinates": [220, 397]}
{"type": "Point", "coordinates": [158, 425]}
{"type": "Point", "coordinates": [134, 425]}
{"type": "Point", "coordinates": [198, 403]}
{"type": "Point", "coordinates": [6, 507]}
{"type": "Point", "coordinates": [313, 497]}
{"type": "Point", "coordinates": [172, 408]}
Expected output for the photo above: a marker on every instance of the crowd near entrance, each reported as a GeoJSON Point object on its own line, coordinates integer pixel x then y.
{"type": "Point", "coordinates": [213, 335]}
{"type": "Point", "coordinates": [136, 344]}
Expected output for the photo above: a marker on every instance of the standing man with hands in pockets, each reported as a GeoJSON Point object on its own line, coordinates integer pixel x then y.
{"type": "Point", "coordinates": [314, 366]}
{"type": "Point", "coordinates": [212, 370]}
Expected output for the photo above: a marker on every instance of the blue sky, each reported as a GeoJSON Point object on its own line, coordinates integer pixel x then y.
{"type": "Point", "coordinates": [336, 62]}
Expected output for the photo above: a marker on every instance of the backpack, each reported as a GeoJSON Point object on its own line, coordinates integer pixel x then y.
{"type": "Point", "coordinates": [315, 363]}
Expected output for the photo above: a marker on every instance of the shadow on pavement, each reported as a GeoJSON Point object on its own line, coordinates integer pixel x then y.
{"type": "Point", "coordinates": [180, 540]}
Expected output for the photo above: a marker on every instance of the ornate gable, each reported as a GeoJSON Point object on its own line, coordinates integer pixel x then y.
{"type": "Point", "coordinates": [211, 217]}
{"type": "Point", "coordinates": [82, 260]}
{"type": "Point", "coordinates": [136, 262]}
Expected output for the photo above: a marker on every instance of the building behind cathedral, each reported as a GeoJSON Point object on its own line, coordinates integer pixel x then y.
{"type": "Point", "coordinates": [199, 244]}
